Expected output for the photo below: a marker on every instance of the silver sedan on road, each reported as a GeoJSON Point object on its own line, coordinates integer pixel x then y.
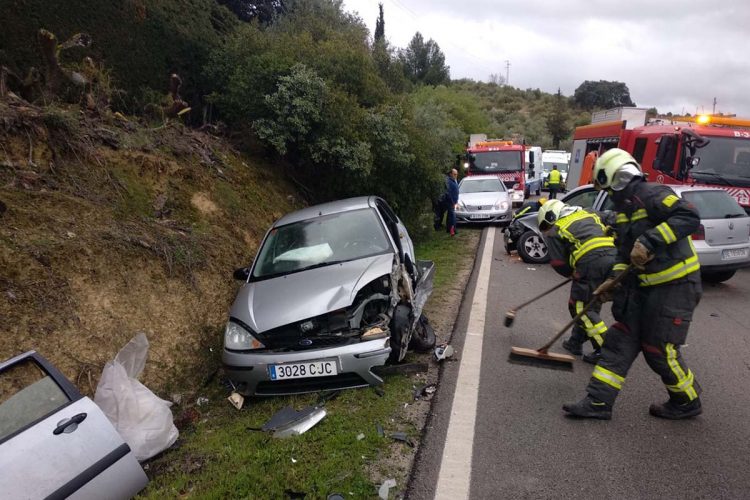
{"type": "Point", "coordinates": [483, 198]}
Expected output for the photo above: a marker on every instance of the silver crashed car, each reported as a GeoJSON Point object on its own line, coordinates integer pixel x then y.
{"type": "Point", "coordinates": [483, 198]}
{"type": "Point", "coordinates": [334, 292]}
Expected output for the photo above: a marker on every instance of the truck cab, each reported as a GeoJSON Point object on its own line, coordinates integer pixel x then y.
{"type": "Point", "coordinates": [502, 158]}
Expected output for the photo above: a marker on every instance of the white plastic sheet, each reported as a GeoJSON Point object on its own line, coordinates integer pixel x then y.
{"type": "Point", "coordinates": [143, 419]}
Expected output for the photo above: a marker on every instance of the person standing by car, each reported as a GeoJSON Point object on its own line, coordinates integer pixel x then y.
{"type": "Point", "coordinates": [447, 203]}
{"type": "Point", "coordinates": [553, 183]}
{"type": "Point", "coordinates": [654, 306]}
{"type": "Point", "coordinates": [579, 247]}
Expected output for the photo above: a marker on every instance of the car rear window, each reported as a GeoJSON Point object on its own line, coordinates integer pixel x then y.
{"type": "Point", "coordinates": [714, 204]}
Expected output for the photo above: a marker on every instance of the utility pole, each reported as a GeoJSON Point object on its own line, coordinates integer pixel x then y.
{"type": "Point", "coordinates": [714, 111]}
{"type": "Point", "coordinates": [507, 72]}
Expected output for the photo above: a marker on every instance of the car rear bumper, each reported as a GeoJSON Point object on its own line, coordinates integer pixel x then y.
{"type": "Point", "coordinates": [250, 374]}
{"type": "Point", "coordinates": [715, 258]}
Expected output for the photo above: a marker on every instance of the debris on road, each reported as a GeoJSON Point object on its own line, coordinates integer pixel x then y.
{"type": "Point", "coordinates": [531, 268]}
{"type": "Point", "coordinates": [424, 391]}
{"type": "Point", "coordinates": [201, 401]}
{"type": "Point", "coordinates": [288, 422]}
{"type": "Point", "coordinates": [360, 436]}
{"type": "Point", "coordinates": [385, 488]}
{"type": "Point", "coordinates": [237, 400]}
{"type": "Point", "coordinates": [379, 430]}
{"type": "Point", "coordinates": [403, 437]}
{"type": "Point", "coordinates": [443, 351]}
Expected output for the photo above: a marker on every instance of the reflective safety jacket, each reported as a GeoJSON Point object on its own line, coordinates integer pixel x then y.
{"type": "Point", "coordinates": [576, 238]}
{"type": "Point", "coordinates": [554, 178]}
{"type": "Point", "coordinates": [663, 222]}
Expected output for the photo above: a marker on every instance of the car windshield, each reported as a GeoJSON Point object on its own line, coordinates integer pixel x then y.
{"type": "Point", "coordinates": [481, 186]}
{"type": "Point", "coordinates": [725, 157]}
{"type": "Point", "coordinates": [495, 161]}
{"type": "Point", "coordinates": [714, 204]}
{"type": "Point", "coordinates": [322, 241]}
{"type": "Point", "coordinates": [562, 167]}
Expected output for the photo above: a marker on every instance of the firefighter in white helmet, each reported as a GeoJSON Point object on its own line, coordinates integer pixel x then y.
{"type": "Point", "coordinates": [579, 247]}
{"type": "Point", "coordinates": [654, 305]}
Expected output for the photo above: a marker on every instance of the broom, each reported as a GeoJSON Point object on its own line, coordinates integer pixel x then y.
{"type": "Point", "coordinates": [510, 316]}
{"type": "Point", "coordinates": [541, 356]}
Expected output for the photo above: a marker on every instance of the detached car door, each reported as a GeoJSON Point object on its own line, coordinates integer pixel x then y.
{"type": "Point", "coordinates": [56, 443]}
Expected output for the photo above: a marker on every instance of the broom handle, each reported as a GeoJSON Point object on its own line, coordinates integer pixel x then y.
{"type": "Point", "coordinates": [585, 309]}
{"type": "Point", "coordinates": [518, 308]}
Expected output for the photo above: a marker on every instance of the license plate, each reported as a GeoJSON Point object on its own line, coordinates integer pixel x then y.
{"type": "Point", "coordinates": [479, 216]}
{"type": "Point", "coordinates": [734, 253]}
{"type": "Point", "coordinates": [302, 370]}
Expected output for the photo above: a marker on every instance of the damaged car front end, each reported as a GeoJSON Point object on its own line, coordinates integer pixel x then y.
{"type": "Point", "coordinates": [334, 292]}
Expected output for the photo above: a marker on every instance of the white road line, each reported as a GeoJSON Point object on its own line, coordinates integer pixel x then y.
{"type": "Point", "coordinates": [454, 477]}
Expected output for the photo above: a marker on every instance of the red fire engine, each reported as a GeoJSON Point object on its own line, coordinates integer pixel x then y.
{"type": "Point", "coordinates": [501, 158]}
{"type": "Point", "coordinates": [707, 150]}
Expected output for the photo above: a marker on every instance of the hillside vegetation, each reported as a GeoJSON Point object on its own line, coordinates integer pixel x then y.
{"type": "Point", "coordinates": [120, 218]}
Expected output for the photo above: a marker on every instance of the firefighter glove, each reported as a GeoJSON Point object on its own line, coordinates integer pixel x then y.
{"type": "Point", "coordinates": [640, 255]}
{"type": "Point", "coordinates": [605, 291]}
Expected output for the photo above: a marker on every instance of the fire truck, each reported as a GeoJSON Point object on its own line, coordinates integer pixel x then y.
{"type": "Point", "coordinates": [706, 150]}
{"type": "Point", "coordinates": [501, 158]}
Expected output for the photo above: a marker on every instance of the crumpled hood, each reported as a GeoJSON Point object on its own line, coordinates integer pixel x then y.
{"type": "Point", "coordinates": [271, 303]}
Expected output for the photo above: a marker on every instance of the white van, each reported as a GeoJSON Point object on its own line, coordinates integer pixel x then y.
{"type": "Point", "coordinates": [557, 157]}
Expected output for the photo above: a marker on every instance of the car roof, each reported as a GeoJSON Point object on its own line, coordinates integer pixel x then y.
{"type": "Point", "coordinates": [681, 188]}
{"type": "Point", "coordinates": [332, 207]}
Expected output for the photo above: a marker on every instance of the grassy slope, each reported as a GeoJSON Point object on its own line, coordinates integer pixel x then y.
{"type": "Point", "coordinates": [220, 458]}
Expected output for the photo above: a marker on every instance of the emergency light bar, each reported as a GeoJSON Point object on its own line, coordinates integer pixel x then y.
{"type": "Point", "coordinates": [712, 120]}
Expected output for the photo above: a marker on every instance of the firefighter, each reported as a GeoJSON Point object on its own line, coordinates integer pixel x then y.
{"type": "Point", "coordinates": [654, 305]}
{"type": "Point", "coordinates": [553, 183]}
{"type": "Point", "coordinates": [579, 246]}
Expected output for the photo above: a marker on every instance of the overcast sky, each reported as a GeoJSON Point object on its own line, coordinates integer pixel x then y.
{"type": "Point", "coordinates": [676, 55]}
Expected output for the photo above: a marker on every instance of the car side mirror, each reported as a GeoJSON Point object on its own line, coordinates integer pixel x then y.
{"type": "Point", "coordinates": [242, 273]}
{"type": "Point", "coordinates": [531, 157]}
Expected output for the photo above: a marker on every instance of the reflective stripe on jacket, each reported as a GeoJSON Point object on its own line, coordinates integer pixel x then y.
{"type": "Point", "coordinates": [663, 222]}
{"type": "Point", "coordinates": [573, 237]}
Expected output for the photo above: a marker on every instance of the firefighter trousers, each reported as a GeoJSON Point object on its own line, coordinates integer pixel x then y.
{"type": "Point", "coordinates": [655, 321]}
{"type": "Point", "coordinates": [589, 274]}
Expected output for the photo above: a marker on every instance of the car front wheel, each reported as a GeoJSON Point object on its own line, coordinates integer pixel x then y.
{"type": "Point", "coordinates": [532, 249]}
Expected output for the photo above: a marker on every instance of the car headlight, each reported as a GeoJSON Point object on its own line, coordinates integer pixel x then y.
{"type": "Point", "coordinates": [237, 338]}
{"type": "Point", "coordinates": [516, 195]}
{"type": "Point", "coordinates": [461, 207]}
{"type": "Point", "coordinates": [501, 205]}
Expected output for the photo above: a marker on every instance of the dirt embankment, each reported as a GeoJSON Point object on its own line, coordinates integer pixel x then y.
{"type": "Point", "coordinates": [112, 227]}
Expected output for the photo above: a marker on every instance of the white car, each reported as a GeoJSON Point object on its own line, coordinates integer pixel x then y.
{"type": "Point", "coordinates": [483, 198]}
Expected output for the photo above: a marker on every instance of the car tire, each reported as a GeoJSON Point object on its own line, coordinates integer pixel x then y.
{"type": "Point", "coordinates": [532, 249]}
{"type": "Point", "coordinates": [400, 333]}
{"type": "Point", "coordinates": [526, 192]}
{"type": "Point", "coordinates": [538, 190]}
{"type": "Point", "coordinates": [423, 339]}
{"type": "Point", "coordinates": [717, 276]}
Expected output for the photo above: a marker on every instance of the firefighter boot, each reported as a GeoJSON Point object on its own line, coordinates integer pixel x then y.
{"type": "Point", "coordinates": [672, 410]}
{"type": "Point", "coordinates": [593, 357]}
{"type": "Point", "coordinates": [589, 407]}
{"type": "Point", "coordinates": [572, 347]}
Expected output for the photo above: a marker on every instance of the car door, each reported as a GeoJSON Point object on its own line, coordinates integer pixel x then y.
{"type": "Point", "coordinates": [56, 443]}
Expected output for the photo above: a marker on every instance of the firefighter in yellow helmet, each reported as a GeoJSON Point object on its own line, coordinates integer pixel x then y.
{"type": "Point", "coordinates": [579, 247]}
{"type": "Point", "coordinates": [654, 306]}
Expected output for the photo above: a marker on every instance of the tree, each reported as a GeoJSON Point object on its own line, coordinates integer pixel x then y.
{"type": "Point", "coordinates": [496, 79]}
{"type": "Point", "coordinates": [264, 11]}
{"type": "Point", "coordinates": [424, 62]}
{"type": "Point", "coordinates": [380, 25]}
{"type": "Point", "coordinates": [602, 94]}
{"type": "Point", "coordinates": [558, 120]}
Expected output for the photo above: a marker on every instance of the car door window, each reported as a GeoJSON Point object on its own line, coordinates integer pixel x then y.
{"type": "Point", "coordinates": [27, 394]}
{"type": "Point", "coordinates": [583, 199]}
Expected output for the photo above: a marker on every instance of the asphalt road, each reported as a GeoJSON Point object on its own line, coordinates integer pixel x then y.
{"type": "Point", "coordinates": [523, 445]}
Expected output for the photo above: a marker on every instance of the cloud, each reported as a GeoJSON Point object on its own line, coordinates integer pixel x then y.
{"type": "Point", "coordinates": [675, 54]}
